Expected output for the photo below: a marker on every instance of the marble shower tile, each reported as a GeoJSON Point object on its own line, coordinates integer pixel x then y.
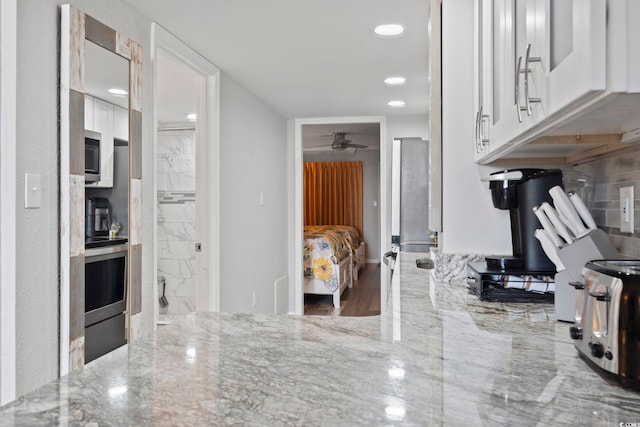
{"type": "Point", "coordinates": [185, 212]}
{"type": "Point", "coordinates": [176, 250]}
{"type": "Point", "coordinates": [176, 231]}
{"type": "Point", "coordinates": [179, 305]}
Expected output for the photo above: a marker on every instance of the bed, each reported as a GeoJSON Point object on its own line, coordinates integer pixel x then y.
{"type": "Point", "coordinates": [333, 255]}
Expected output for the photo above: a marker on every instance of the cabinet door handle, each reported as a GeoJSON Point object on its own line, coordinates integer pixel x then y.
{"type": "Point", "coordinates": [477, 139]}
{"type": "Point", "coordinates": [483, 118]}
{"type": "Point", "coordinates": [527, 100]}
{"type": "Point", "coordinates": [517, 90]}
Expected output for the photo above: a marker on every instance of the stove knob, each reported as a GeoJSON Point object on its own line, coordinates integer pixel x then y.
{"type": "Point", "coordinates": [597, 350]}
{"type": "Point", "coordinates": [608, 355]}
{"type": "Point", "coordinates": [575, 332]}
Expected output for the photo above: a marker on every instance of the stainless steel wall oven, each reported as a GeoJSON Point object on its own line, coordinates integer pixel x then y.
{"type": "Point", "coordinates": [105, 299]}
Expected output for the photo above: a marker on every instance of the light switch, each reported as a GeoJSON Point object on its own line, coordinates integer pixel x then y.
{"type": "Point", "coordinates": [262, 198]}
{"type": "Point", "coordinates": [32, 191]}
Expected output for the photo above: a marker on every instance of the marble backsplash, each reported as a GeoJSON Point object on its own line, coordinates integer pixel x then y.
{"type": "Point", "coordinates": [451, 267]}
{"type": "Point", "coordinates": [176, 219]}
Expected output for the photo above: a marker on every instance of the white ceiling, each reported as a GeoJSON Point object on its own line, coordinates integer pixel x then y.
{"type": "Point", "coordinates": [105, 70]}
{"type": "Point", "coordinates": [308, 58]}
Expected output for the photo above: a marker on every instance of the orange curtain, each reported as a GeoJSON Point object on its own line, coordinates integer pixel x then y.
{"type": "Point", "coordinates": [333, 194]}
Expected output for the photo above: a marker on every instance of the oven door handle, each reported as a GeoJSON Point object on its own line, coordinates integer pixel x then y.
{"type": "Point", "coordinates": [106, 250]}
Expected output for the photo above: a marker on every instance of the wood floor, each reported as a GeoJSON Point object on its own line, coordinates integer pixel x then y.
{"type": "Point", "coordinates": [361, 300]}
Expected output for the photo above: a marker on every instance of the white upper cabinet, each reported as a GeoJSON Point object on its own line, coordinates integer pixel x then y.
{"type": "Point", "coordinates": [569, 46]}
{"type": "Point", "coordinates": [88, 112]}
{"type": "Point", "coordinates": [111, 121]}
{"type": "Point", "coordinates": [556, 57]}
{"type": "Point", "coordinates": [102, 118]}
{"type": "Point", "coordinates": [120, 123]}
{"type": "Point", "coordinates": [489, 49]}
{"type": "Point", "coordinates": [551, 60]}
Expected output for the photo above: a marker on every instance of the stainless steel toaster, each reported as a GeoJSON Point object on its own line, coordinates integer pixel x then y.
{"type": "Point", "coordinates": [607, 321]}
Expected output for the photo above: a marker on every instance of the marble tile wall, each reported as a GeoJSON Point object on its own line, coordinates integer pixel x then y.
{"type": "Point", "coordinates": [610, 173]}
{"type": "Point", "coordinates": [176, 219]}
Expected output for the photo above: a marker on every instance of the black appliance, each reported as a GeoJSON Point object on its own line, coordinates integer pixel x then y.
{"type": "Point", "coordinates": [97, 217]}
{"type": "Point", "coordinates": [524, 275]}
{"type": "Point", "coordinates": [105, 299]}
{"type": "Point", "coordinates": [92, 141]}
{"type": "Point", "coordinates": [519, 190]}
{"type": "Point", "coordinates": [606, 332]}
{"type": "Point", "coordinates": [509, 286]}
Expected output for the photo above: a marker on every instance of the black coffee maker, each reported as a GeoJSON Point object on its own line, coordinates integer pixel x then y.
{"type": "Point", "coordinates": [519, 190]}
{"type": "Point", "coordinates": [97, 217]}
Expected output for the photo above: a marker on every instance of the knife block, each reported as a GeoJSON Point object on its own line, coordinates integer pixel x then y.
{"type": "Point", "coordinates": [594, 245]}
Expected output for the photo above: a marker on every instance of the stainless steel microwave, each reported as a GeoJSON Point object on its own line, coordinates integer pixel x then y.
{"type": "Point", "coordinates": [92, 141]}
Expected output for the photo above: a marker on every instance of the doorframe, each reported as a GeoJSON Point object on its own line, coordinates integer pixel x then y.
{"type": "Point", "coordinates": [207, 296]}
{"type": "Point", "coordinates": [8, 148]}
{"type": "Point", "coordinates": [296, 305]}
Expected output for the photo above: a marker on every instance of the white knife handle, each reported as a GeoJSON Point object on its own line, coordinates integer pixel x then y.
{"type": "Point", "coordinates": [566, 209]}
{"type": "Point", "coordinates": [582, 211]}
{"type": "Point", "coordinates": [557, 223]}
{"type": "Point", "coordinates": [548, 227]}
{"type": "Point", "coordinates": [549, 249]}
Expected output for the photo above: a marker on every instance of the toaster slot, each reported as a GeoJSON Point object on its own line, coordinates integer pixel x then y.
{"type": "Point", "coordinates": [600, 319]}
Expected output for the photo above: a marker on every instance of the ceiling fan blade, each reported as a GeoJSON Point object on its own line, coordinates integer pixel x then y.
{"type": "Point", "coordinates": [318, 148]}
{"type": "Point", "coordinates": [360, 146]}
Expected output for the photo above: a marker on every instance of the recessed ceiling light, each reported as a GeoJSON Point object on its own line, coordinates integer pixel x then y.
{"type": "Point", "coordinates": [395, 81]}
{"type": "Point", "coordinates": [389, 30]}
{"type": "Point", "coordinates": [117, 92]}
{"type": "Point", "coordinates": [191, 117]}
{"type": "Point", "coordinates": [395, 103]}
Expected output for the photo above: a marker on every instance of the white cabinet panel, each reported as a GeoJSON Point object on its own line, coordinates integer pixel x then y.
{"type": "Point", "coordinates": [120, 123]}
{"type": "Point", "coordinates": [88, 112]}
{"type": "Point", "coordinates": [573, 63]}
{"type": "Point", "coordinates": [489, 50]}
{"type": "Point", "coordinates": [547, 57]}
{"type": "Point", "coordinates": [103, 123]}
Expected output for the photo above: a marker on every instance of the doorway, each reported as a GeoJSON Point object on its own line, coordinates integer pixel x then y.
{"type": "Point", "coordinates": [342, 188]}
{"type": "Point", "coordinates": [297, 268]}
{"type": "Point", "coordinates": [176, 104]}
{"type": "Point", "coordinates": [186, 186]}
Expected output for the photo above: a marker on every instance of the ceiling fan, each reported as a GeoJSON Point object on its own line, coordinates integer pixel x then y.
{"type": "Point", "coordinates": [340, 142]}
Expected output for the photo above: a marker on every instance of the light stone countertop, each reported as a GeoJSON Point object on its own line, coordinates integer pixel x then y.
{"type": "Point", "coordinates": [438, 356]}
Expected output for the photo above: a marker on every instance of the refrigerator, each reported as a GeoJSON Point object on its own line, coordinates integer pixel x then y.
{"type": "Point", "coordinates": [410, 195]}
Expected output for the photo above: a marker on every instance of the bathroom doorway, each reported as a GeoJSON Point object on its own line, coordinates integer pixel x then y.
{"type": "Point", "coordinates": [186, 178]}
{"type": "Point", "coordinates": [177, 98]}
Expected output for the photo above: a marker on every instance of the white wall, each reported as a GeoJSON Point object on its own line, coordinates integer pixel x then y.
{"type": "Point", "coordinates": [253, 238]}
{"type": "Point", "coordinates": [370, 191]}
{"type": "Point", "coordinates": [37, 152]}
{"type": "Point", "coordinates": [470, 223]}
{"type": "Point", "coordinates": [410, 126]}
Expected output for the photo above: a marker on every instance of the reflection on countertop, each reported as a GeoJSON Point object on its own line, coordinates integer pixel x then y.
{"type": "Point", "coordinates": [439, 355]}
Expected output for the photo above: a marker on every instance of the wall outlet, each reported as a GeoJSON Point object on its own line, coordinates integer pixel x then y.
{"type": "Point", "coordinates": [255, 298]}
{"type": "Point", "coordinates": [626, 210]}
